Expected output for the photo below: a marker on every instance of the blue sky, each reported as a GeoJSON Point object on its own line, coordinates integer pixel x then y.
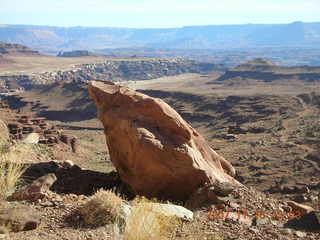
{"type": "Point", "coordinates": [156, 13]}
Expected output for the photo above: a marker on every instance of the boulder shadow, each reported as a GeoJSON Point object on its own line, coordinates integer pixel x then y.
{"type": "Point", "coordinates": [76, 180]}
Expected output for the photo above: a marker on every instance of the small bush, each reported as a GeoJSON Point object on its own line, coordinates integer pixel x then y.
{"type": "Point", "coordinates": [145, 223]}
{"type": "Point", "coordinates": [102, 208]}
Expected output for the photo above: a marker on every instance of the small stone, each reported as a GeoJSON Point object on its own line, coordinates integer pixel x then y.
{"type": "Point", "coordinates": [260, 221]}
{"type": "Point", "coordinates": [254, 230]}
{"type": "Point", "coordinates": [234, 205]}
{"type": "Point", "coordinates": [67, 164]}
{"type": "Point", "coordinates": [286, 231]}
{"type": "Point", "coordinates": [223, 189]}
{"type": "Point", "coordinates": [300, 234]}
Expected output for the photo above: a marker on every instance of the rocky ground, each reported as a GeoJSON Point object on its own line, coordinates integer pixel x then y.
{"type": "Point", "coordinates": [272, 139]}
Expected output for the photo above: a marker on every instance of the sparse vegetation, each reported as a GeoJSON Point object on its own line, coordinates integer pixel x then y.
{"type": "Point", "coordinates": [102, 208]}
{"type": "Point", "coordinates": [312, 130]}
{"type": "Point", "coordinates": [11, 167]}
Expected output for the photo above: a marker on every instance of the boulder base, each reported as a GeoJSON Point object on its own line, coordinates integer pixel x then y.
{"type": "Point", "coordinates": [154, 150]}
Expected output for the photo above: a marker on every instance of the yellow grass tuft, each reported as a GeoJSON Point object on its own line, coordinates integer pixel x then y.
{"type": "Point", "coordinates": [102, 208]}
{"type": "Point", "coordinates": [11, 168]}
{"type": "Point", "coordinates": [146, 222]}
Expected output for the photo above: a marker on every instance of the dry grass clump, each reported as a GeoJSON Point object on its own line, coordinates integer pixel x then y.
{"type": "Point", "coordinates": [11, 168]}
{"type": "Point", "coordinates": [102, 208]}
{"type": "Point", "coordinates": [4, 230]}
{"type": "Point", "coordinates": [146, 222]}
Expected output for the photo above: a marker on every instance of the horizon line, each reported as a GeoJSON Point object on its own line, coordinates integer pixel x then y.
{"type": "Point", "coordinates": [207, 25]}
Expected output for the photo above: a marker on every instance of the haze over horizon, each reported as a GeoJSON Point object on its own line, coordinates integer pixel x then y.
{"type": "Point", "coordinates": [157, 14]}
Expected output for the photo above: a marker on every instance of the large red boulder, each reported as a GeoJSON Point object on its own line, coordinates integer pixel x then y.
{"type": "Point", "coordinates": [154, 150]}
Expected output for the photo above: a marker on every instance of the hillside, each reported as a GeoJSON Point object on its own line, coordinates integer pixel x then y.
{"type": "Point", "coordinates": [7, 51]}
{"type": "Point", "coordinates": [45, 38]}
{"type": "Point", "coordinates": [11, 49]}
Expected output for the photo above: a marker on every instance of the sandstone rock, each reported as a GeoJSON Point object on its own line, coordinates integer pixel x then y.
{"type": "Point", "coordinates": [19, 218]}
{"type": "Point", "coordinates": [154, 150]}
{"type": "Point", "coordinates": [36, 190]}
{"type": "Point", "coordinates": [32, 138]}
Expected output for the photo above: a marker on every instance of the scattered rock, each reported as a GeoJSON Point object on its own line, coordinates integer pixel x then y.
{"type": "Point", "coordinates": [19, 218]}
{"type": "Point", "coordinates": [300, 234]}
{"type": "Point", "coordinates": [36, 190]}
{"type": "Point", "coordinates": [216, 193]}
{"type": "Point", "coordinates": [223, 188]}
{"type": "Point", "coordinates": [154, 150]}
{"type": "Point", "coordinates": [301, 208]}
{"type": "Point", "coordinates": [237, 217]}
{"type": "Point", "coordinates": [172, 210]}
{"type": "Point", "coordinates": [261, 221]}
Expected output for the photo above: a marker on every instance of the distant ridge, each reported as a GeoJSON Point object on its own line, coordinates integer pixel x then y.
{"type": "Point", "coordinates": [264, 70]}
{"type": "Point", "coordinates": [48, 38]}
{"type": "Point", "coordinates": [9, 49]}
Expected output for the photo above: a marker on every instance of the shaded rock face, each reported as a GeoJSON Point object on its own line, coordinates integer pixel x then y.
{"type": "Point", "coordinates": [154, 150]}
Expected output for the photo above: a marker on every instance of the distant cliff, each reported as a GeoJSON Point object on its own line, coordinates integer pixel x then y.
{"type": "Point", "coordinates": [47, 38]}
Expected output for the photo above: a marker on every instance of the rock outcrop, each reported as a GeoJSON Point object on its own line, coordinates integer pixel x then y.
{"type": "Point", "coordinates": [29, 129]}
{"type": "Point", "coordinates": [36, 190]}
{"type": "Point", "coordinates": [111, 70]}
{"type": "Point", "coordinates": [154, 150]}
{"type": "Point", "coordinates": [76, 53]}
